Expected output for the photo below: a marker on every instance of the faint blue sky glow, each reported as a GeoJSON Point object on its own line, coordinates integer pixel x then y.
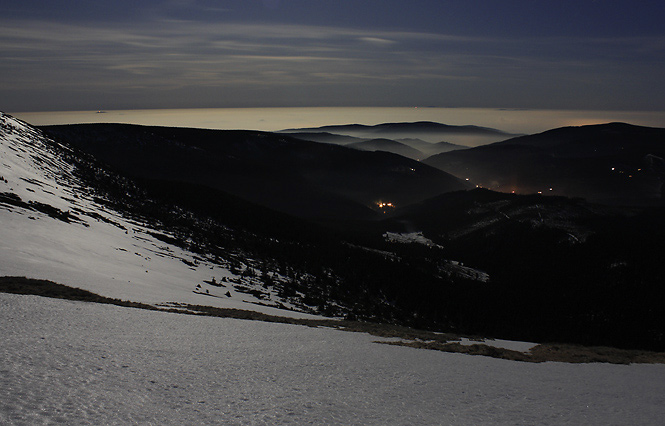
{"type": "Point", "coordinates": [181, 54]}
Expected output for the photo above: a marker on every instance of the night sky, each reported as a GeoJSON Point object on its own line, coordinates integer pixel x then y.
{"type": "Point", "coordinates": [89, 55]}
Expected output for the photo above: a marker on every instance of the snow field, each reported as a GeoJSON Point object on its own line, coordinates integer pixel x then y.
{"type": "Point", "coordinates": [81, 363]}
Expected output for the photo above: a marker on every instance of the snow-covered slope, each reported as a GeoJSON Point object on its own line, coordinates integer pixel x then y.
{"type": "Point", "coordinates": [52, 227]}
{"type": "Point", "coordinates": [81, 363]}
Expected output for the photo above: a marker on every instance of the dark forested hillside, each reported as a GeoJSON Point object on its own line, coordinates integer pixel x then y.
{"type": "Point", "coordinates": [614, 163]}
{"type": "Point", "coordinates": [561, 269]}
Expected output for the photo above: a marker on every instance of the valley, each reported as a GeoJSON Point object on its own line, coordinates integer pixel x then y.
{"type": "Point", "coordinates": [256, 220]}
{"type": "Point", "coordinates": [203, 230]}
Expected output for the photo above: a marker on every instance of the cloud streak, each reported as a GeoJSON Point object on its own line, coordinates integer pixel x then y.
{"type": "Point", "coordinates": [262, 59]}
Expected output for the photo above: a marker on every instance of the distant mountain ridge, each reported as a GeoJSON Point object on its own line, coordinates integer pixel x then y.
{"type": "Point", "coordinates": [411, 127]}
{"type": "Point", "coordinates": [441, 147]}
{"type": "Point", "coordinates": [388, 145]}
{"type": "Point", "coordinates": [592, 140]}
{"type": "Point", "coordinates": [421, 148]}
{"type": "Point", "coordinates": [614, 163]}
{"type": "Point", "coordinates": [427, 130]}
{"type": "Point", "coordinates": [324, 137]}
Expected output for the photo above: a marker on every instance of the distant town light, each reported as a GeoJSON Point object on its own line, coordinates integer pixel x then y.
{"type": "Point", "coordinates": [383, 205]}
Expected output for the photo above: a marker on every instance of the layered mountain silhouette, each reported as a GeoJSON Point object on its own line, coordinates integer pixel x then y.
{"type": "Point", "coordinates": [302, 178]}
{"type": "Point", "coordinates": [324, 137]}
{"type": "Point", "coordinates": [434, 148]}
{"type": "Point", "coordinates": [426, 130]}
{"type": "Point", "coordinates": [613, 163]}
{"type": "Point", "coordinates": [413, 148]}
{"type": "Point", "coordinates": [388, 145]}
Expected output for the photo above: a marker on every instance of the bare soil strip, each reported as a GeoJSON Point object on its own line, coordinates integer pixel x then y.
{"type": "Point", "coordinates": [409, 337]}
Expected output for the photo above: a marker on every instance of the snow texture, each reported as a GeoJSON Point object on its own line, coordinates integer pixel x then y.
{"type": "Point", "coordinates": [65, 362]}
{"type": "Point", "coordinates": [453, 267]}
{"type": "Point", "coordinates": [409, 237]}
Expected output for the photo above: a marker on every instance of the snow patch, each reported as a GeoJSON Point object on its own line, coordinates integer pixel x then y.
{"type": "Point", "coordinates": [453, 267]}
{"type": "Point", "coordinates": [408, 238]}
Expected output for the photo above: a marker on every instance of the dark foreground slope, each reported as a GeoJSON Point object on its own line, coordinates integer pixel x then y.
{"type": "Point", "coordinates": [612, 163]}
{"type": "Point", "coordinates": [298, 177]}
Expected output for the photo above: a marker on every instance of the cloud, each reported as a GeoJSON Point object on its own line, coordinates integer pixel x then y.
{"type": "Point", "coordinates": [180, 54]}
{"type": "Point", "coordinates": [377, 40]}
